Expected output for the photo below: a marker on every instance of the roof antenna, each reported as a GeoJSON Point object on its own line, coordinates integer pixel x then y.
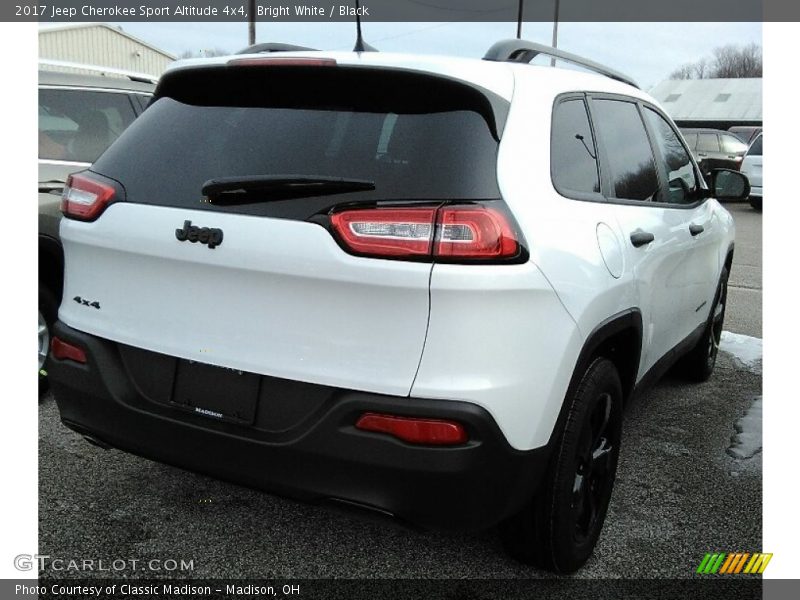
{"type": "Point", "coordinates": [361, 45]}
{"type": "Point", "coordinates": [519, 19]}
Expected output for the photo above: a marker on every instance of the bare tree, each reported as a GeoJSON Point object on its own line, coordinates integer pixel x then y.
{"type": "Point", "coordinates": [206, 53]}
{"type": "Point", "coordinates": [701, 69]}
{"type": "Point", "coordinates": [727, 62]}
{"type": "Point", "coordinates": [683, 72]}
{"type": "Point", "coordinates": [736, 61]}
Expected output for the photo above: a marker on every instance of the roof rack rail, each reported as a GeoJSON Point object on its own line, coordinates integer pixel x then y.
{"type": "Point", "coordinates": [523, 51]}
{"type": "Point", "coordinates": [133, 76]}
{"type": "Point", "coordinates": [272, 47]}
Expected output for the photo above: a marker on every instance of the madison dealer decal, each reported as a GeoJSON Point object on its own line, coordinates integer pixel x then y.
{"type": "Point", "coordinates": [733, 563]}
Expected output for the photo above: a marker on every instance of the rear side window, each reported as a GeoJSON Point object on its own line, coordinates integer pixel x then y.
{"type": "Point", "coordinates": [573, 156]}
{"type": "Point", "coordinates": [707, 142]}
{"type": "Point", "coordinates": [755, 148]}
{"type": "Point", "coordinates": [417, 138]}
{"type": "Point", "coordinates": [622, 135]}
{"type": "Point", "coordinates": [677, 164]}
{"type": "Point", "coordinates": [78, 125]}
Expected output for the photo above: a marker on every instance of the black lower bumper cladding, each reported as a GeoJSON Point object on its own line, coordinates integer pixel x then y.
{"type": "Point", "coordinates": [302, 441]}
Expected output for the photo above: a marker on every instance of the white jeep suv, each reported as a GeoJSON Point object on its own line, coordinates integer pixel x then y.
{"type": "Point", "coordinates": [420, 286]}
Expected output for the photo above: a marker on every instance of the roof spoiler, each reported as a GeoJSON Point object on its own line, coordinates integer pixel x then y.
{"type": "Point", "coordinates": [273, 47]}
{"type": "Point", "coordinates": [523, 51]}
{"type": "Point", "coordinates": [133, 76]}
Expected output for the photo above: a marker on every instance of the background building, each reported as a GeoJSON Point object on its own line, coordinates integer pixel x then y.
{"type": "Point", "coordinates": [716, 103]}
{"type": "Point", "coordinates": [101, 44]}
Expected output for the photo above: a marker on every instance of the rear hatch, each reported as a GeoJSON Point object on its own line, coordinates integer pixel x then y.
{"type": "Point", "coordinates": [213, 241]}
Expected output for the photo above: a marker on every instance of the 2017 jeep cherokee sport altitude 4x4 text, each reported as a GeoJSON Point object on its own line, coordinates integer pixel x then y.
{"type": "Point", "coordinates": [418, 285]}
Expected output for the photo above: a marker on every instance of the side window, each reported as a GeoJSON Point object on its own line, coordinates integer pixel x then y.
{"type": "Point", "coordinates": [573, 156]}
{"type": "Point", "coordinates": [678, 165]}
{"type": "Point", "coordinates": [732, 144]}
{"type": "Point", "coordinates": [624, 139]}
{"type": "Point", "coordinates": [142, 100]}
{"type": "Point", "coordinates": [78, 125]}
{"type": "Point", "coordinates": [755, 148]}
{"type": "Point", "coordinates": [707, 142]}
{"type": "Point", "coordinates": [691, 140]}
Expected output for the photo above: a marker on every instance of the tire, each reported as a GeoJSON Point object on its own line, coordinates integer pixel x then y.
{"type": "Point", "coordinates": [755, 203]}
{"type": "Point", "coordinates": [48, 312]}
{"type": "Point", "coordinates": [558, 529]}
{"type": "Point", "coordinates": [699, 363]}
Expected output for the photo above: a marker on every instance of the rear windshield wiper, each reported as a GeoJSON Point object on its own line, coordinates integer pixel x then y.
{"type": "Point", "coordinates": [246, 189]}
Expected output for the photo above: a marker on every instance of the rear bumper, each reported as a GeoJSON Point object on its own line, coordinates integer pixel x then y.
{"type": "Point", "coordinates": [303, 443]}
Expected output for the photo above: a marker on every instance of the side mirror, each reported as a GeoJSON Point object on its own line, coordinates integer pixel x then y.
{"type": "Point", "coordinates": [727, 184]}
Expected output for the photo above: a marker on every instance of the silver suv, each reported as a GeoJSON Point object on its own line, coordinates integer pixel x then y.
{"type": "Point", "coordinates": [79, 116]}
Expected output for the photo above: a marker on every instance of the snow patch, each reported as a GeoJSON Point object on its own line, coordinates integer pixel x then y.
{"type": "Point", "coordinates": [745, 350]}
{"type": "Point", "coordinates": [747, 441]}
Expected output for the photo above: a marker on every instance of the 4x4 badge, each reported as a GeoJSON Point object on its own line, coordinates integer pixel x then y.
{"type": "Point", "coordinates": [205, 235]}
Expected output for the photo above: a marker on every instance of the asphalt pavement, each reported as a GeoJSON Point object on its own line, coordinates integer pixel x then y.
{"type": "Point", "coordinates": [679, 494]}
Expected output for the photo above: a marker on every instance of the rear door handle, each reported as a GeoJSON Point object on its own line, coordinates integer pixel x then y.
{"type": "Point", "coordinates": [696, 229]}
{"type": "Point", "coordinates": [641, 238]}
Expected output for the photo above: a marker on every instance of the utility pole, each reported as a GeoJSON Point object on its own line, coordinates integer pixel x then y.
{"type": "Point", "coordinates": [251, 23]}
{"type": "Point", "coordinates": [519, 20]}
{"type": "Point", "coordinates": [555, 33]}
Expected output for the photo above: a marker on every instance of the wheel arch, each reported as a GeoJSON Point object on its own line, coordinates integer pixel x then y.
{"type": "Point", "coordinates": [618, 338]}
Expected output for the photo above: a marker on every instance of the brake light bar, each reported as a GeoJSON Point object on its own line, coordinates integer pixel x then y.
{"type": "Point", "coordinates": [459, 232]}
{"type": "Point", "coordinates": [85, 199]}
{"type": "Point", "coordinates": [433, 432]}
{"type": "Point", "coordinates": [281, 61]}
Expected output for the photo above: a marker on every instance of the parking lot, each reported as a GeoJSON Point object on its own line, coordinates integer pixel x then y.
{"type": "Point", "coordinates": [679, 492]}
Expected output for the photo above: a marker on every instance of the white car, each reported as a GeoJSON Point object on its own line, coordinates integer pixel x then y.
{"type": "Point", "coordinates": [752, 166]}
{"type": "Point", "coordinates": [419, 286]}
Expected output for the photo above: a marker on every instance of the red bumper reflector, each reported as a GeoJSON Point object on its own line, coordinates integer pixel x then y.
{"type": "Point", "coordinates": [414, 431]}
{"type": "Point", "coordinates": [62, 350]}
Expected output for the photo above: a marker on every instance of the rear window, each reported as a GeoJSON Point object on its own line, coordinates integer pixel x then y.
{"type": "Point", "coordinates": [732, 144]}
{"type": "Point", "coordinates": [415, 137]}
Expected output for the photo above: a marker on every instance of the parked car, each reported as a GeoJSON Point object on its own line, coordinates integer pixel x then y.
{"type": "Point", "coordinates": [715, 149]}
{"type": "Point", "coordinates": [416, 286]}
{"type": "Point", "coordinates": [79, 116]}
{"type": "Point", "coordinates": [746, 133]}
{"type": "Point", "coordinates": [751, 166]}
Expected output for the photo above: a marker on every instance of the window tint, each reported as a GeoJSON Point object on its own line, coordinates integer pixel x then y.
{"type": "Point", "coordinates": [78, 125]}
{"type": "Point", "coordinates": [417, 138]}
{"type": "Point", "coordinates": [755, 148]}
{"type": "Point", "coordinates": [630, 157]}
{"type": "Point", "coordinates": [573, 157]}
{"type": "Point", "coordinates": [732, 144]}
{"type": "Point", "coordinates": [678, 165]}
{"type": "Point", "coordinates": [707, 142]}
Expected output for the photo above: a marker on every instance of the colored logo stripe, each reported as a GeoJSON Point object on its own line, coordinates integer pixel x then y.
{"type": "Point", "coordinates": [733, 563]}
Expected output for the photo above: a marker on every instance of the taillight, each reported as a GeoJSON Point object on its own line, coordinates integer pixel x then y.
{"type": "Point", "coordinates": [474, 232]}
{"type": "Point", "coordinates": [395, 232]}
{"type": "Point", "coordinates": [449, 233]}
{"type": "Point", "coordinates": [84, 198]}
{"type": "Point", "coordinates": [61, 350]}
{"type": "Point", "coordinates": [433, 432]}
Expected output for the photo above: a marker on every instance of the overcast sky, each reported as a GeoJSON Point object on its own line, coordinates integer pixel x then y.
{"type": "Point", "coordinates": [646, 51]}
